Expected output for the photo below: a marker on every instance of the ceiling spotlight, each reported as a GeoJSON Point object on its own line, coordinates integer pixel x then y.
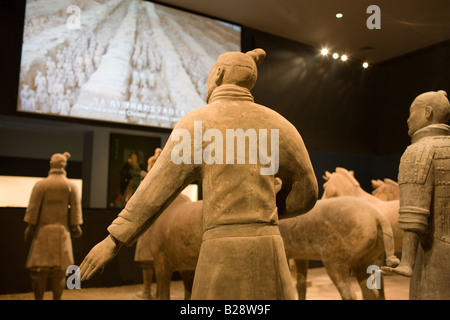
{"type": "Point", "coordinates": [339, 15]}
{"type": "Point", "coordinates": [365, 65]}
{"type": "Point", "coordinates": [324, 52]}
{"type": "Point", "coordinates": [344, 57]}
{"type": "Point", "coordinates": [335, 55]}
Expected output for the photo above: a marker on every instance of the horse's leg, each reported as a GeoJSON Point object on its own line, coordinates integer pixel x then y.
{"type": "Point", "coordinates": [188, 281]}
{"type": "Point", "coordinates": [293, 270]}
{"type": "Point", "coordinates": [163, 277]}
{"type": "Point", "coordinates": [148, 269]}
{"type": "Point", "coordinates": [361, 275]}
{"type": "Point", "coordinates": [379, 261]}
{"type": "Point", "coordinates": [302, 272]}
{"type": "Point", "coordinates": [339, 274]}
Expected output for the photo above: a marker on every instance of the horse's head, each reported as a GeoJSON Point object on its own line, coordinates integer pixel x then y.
{"type": "Point", "coordinates": [391, 183]}
{"type": "Point", "coordinates": [385, 190]}
{"type": "Point", "coordinates": [377, 184]}
{"type": "Point", "coordinates": [339, 183]}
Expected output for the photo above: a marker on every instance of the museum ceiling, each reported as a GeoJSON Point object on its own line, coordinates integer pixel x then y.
{"type": "Point", "coordinates": [405, 26]}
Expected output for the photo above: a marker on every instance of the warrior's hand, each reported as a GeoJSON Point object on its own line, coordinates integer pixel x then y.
{"type": "Point", "coordinates": [98, 257]}
{"type": "Point", "coordinates": [76, 231]}
{"type": "Point", "coordinates": [400, 270]}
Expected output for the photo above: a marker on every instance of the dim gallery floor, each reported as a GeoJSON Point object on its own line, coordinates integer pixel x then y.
{"type": "Point", "coordinates": [320, 287]}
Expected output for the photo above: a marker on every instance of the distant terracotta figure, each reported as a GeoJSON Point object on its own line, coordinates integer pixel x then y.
{"type": "Point", "coordinates": [151, 161]}
{"type": "Point", "coordinates": [143, 254]}
{"type": "Point", "coordinates": [424, 177]}
{"type": "Point", "coordinates": [242, 253]}
{"type": "Point", "coordinates": [386, 189]}
{"type": "Point", "coordinates": [53, 215]}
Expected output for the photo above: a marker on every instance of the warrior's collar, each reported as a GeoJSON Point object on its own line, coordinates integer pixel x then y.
{"type": "Point", "coordinates": [231, 92]}
{"type": "Point", "coordinates": [432, 130]}
{"type": "Point", "coordinates": [57, 171]}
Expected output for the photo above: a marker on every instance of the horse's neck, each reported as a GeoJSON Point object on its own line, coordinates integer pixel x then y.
{"type": "Point", "coordinates": [360, 193]}
{"type": "Point", "coordinates": [182, 198]}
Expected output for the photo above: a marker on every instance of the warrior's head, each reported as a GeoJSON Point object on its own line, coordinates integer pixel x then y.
{"type": "Point", "coordinates": [235, 68]}
{"type": "Point", "coordinates": [428, 108]}
{"type": "Point", "coordinates": [59, 160]}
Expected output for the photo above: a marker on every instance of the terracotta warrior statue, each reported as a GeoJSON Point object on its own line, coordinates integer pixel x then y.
{"type": "Point", "coordinates": [53, 216]}
{"type": "Point", "coordinates": [424, 176]}
{"type": "Point", "coordinates": [242, 253]}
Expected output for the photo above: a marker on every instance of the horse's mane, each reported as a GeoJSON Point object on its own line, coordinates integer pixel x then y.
{"type": "Point", "coordinates": [348, 175]}
{"type": "Point", "coordinates": [391, 182]}
{"type": "Point", "coordinates": [383, 184]}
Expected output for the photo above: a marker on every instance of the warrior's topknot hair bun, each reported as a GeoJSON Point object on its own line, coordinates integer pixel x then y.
{"type": "Point", "coordinates": [442, 92]}
{"type": "Point", "coordinates": [59, 160]}
{"type": "Point", "coordinates": [257, 55]}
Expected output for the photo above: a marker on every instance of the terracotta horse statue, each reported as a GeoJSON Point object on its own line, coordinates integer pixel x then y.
{"type": "Point", "coordinates": [346, 234]}
{"type": "Point", "coordinates": [343, 183]}
{"type": "Point", "coordinates": [386, 189]}
{"type": "Point", "coordinates": [174, 240]}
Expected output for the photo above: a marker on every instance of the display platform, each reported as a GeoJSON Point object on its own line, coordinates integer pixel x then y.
{"type": "Point", "coordinates": [320, 287]}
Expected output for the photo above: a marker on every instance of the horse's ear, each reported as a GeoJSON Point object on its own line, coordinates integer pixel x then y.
{"type": "Point", "coordinates": [376, 183]}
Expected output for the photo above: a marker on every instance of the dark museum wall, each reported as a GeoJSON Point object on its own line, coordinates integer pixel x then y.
{"type": "Point", "coordinates": [393, 86]}
{"type": "Point", "coordinates": [348, 117]}
{"type": "Point", "coordinates": [322, 97]}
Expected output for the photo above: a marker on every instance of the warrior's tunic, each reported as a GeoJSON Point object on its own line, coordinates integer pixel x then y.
{"type": "Point", "coordinates": [242, 253]}
{"type": "Point", "coordinates": [424, 181]}
{"type": "Point", "coordinates": [54, 205]}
